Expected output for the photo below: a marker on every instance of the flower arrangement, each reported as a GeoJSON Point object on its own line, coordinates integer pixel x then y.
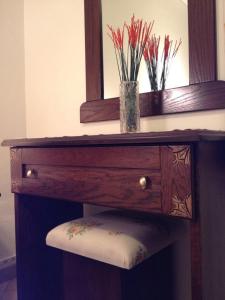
{"type": "Point", "coordinates": [142, 43]}
{"type": "Point", "coordinates": [139, 42]}
{"type": "Point", "coordinates": [138, 33]}
{"type": "Point", "coordinates": [151, 53]}
{"type": "Point", "coordinates": [151, 58]}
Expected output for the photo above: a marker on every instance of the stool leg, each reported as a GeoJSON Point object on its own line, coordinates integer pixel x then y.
{"type": "Point", "coordinates": [151, 280]}
{"type": "Point", "coordinates": [86, 279]}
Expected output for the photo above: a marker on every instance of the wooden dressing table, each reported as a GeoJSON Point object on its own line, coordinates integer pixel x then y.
{"type": "Point", "coordinates": [178, 174]}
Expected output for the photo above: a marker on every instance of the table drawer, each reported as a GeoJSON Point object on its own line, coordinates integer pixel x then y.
{"type": "Point", "coordinates": [109, 176]}
{"type": "Point", "coordinates": [103, 186]}
{"type": "Point", "coordinates": [116, 157]}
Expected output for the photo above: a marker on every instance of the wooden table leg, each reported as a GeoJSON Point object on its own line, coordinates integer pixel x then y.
{"type": "Point", "coordinates": [39, 268]}
{"type": "Point", "coordinates": [196, 262]}
{"type": "Point", "coordinates": [207, 230]}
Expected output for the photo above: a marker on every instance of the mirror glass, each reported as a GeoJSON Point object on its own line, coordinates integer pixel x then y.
{"type": "Point", "coordinates": [170, 18]}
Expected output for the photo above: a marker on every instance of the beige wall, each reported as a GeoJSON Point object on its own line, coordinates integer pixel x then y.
{"type": "Point", "coordinates": [55, 78]}
{"type": "Point", "coordinates": [12, 107]}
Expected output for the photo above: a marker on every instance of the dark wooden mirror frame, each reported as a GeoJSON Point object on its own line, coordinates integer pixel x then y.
{"type": "Point", "coordinates": [203, 93]}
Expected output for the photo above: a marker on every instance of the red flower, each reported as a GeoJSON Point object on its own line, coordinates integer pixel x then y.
{"type": "Point", "coordinates": [151, 59]}
{"type": "Point", "coordinates": [167, 44]}
{"type": "Point", "coordinates": [138, 35]}
{"type": "Point", "coordinates": [132, 32]}
{"type": "Point", "coordinates": [146, 32]}
{"type": "Point", "coordinates": [167, 57]}
{"type": "Point", "coordinates": [117, 36]}
{"type": "Point", "coordinates": [152, 49]}
{"type": "Point", "coordinates": [168, 47]}
{"type": "Point", "coordinates": [145, 53]}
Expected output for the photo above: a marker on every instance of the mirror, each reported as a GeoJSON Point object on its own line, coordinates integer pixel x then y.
{"type": "Point", "coordinates": [170, 17]}
{"type": "Point", "coordinates": [203, 93]}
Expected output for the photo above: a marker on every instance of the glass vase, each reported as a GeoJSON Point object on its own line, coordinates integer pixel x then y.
{"type": "Point", "coordinates": [129, 107]}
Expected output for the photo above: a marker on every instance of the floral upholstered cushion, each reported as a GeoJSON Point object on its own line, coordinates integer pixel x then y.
{"type": "Point", "coordinates": [114, 238]}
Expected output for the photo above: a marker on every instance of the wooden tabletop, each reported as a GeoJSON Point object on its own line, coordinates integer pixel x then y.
{"type": "Point", "coordinates": [175, 136]}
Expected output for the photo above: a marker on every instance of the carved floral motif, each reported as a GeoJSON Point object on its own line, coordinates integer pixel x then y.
{"type": "Point", "coordinates": [182, 205]}
{"type": "Point", "coordinates": [181, 155]}
{"type": "Point", "coordinates": [181, 208]}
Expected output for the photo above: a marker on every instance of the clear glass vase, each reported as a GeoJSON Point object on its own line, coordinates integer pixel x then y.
{"type": "Point", "coordinates": [129, 107]}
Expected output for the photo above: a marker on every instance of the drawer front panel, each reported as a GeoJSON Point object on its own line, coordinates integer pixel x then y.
{"type": "Point", "coordinates": [109, 176]}
{"type": "Point", "coordinates": [116, 157]}
{"type": "Point", "coordinates": [102, 186]}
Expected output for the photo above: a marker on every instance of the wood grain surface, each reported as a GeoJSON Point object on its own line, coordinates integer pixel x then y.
{"type": "Point", "coordinates": [39, 267]}
{"type": "Point", "coordinates": [202, 40]}
{"type": "Point", "coordinates": [195, 167]}
{"type": "Point", "coordinates": [93, 49]}
{"type": "Point", "coordinates": [195, 97]}
{"type": "Point", "coordinates": [142, 138]}
{"type": "Point", "coordinates": [131, 157]}
{"type": "Point", "coordinates": [100, 186]}
{"type": "Point", "coordinates": [209, 255]}
{"type": "Point", "coordinates": [110, 176]}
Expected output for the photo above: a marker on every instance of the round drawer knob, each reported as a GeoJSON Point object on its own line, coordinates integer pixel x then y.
{"type": "Point", "coordinates": [30, 173]}
{"type": "Point", "coordinates": [143, 181]}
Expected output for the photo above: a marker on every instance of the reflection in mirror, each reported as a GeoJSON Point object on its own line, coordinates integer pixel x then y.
{"type": "Point", "coordinates": [170, 17]}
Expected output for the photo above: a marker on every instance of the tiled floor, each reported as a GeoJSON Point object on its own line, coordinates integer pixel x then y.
{"type": "Point", "coordinates": [8, 290]}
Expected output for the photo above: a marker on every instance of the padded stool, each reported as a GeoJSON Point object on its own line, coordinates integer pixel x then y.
{"type": "Point", "coordinates": [98, 248]}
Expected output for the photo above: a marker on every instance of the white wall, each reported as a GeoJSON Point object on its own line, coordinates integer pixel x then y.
{"type": "Point", "coordinates": [12, 107]}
